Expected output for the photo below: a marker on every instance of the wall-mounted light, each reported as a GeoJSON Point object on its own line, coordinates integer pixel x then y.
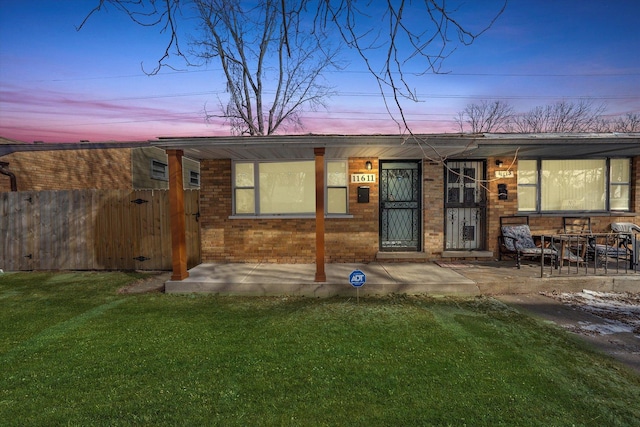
{"type": "Point", "coordinates": [499, 163]}
{"type": "Point", "coordinates": [368, 165]}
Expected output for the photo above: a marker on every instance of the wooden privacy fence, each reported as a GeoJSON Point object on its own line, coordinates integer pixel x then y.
{"type": "Point", "coordinates": [92, 230]}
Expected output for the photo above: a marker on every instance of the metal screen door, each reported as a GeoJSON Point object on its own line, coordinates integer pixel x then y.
{"type": "Point", "coordinates": [465, 205]}
{"type": "Point", "coordinates": [400, 195]}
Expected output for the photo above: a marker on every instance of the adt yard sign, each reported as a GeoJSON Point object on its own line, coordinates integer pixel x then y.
{"type": "Point", "coordinates": [357, 278]}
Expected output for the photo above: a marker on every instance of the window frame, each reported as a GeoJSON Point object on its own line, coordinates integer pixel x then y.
{"type": "Point", "coordinates": [155, 174]}
{"type": "Point", "coordinates": [608, 185]}
{"type": "Point", "coordinates": [627, 184]}
{"type": "Point", "coordinates": [256, 190]}
{"type": "Point", "coordinates": [194, 178]}
{"type": "Point", "coordinates": [328, 186]}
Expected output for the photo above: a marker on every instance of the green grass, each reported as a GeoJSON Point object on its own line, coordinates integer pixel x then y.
{"type": "Point", "coordinates": [74, 352]}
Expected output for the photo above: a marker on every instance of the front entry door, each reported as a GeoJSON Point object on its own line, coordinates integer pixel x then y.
{"type": "Point", "coordinates": [400, 195]}
{"type": "Point", "coordinates": [465, 205]}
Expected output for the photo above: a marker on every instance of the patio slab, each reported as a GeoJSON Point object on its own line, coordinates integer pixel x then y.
{"type": "Point", "coordinates": [298, 279]}
{"type": "Point", "coordinates": [465, 278]}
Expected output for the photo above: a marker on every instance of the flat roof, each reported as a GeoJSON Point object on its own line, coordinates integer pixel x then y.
{"type": "Point", "coordinates": [429, 146]}
{"type": "Point", "coordinates": [16, 147]}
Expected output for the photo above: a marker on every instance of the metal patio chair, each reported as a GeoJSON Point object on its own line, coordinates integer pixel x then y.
{"type": "Point", "coordinates": [603, 246]}
{"type": "Point", "coordinates": [629, 240]}
{"type": "Point", "coordinates": [516, 241]}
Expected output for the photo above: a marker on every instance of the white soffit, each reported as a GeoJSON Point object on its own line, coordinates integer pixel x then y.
{"type": "Point", "coordinates": [397, 147]}
{"type": "Point", "coordinates": [302, 147]}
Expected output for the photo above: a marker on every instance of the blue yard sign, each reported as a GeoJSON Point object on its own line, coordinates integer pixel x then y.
{"type": "Point", "coordinates": [357, 278]}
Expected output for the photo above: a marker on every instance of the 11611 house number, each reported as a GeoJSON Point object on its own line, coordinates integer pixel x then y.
{"type": "Point", "coordinates": [363, 177]}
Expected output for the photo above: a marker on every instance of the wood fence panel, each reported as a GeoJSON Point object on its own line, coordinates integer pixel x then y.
{"type": "Point", "coordinates": [140, 216]}
{"type": "Point", "coordinates": [46, 209]}
{"type": "Point", "coordinates": [44, 228]}
{"type": "Point", "coordinates": [92, 230]}
{"type": "Point", "coordinates": [103, 236]}
{"type": "Point", "coordinates": [14, 243]}
{"type": "Point", "coordinates": [81, 218]}
{"type": "Point", "coordinates": [149, 241]}
{"type": "Point", "coordinates": [101, 232]}
{"type": "Point", "coordinates": [61, 243]}
{"type": "Point", "coordinates": [25, 252]}
{"type": "Point", "coordinates": [127, 224]}
{"type": "Point", "coordinates": [4, 228]}
{"type": "Point", "coordinates": [7, 230]}
{"type": "Point", "coordinates": [92, 201]}
{"type": "Point", "coordinates": [162, 228]}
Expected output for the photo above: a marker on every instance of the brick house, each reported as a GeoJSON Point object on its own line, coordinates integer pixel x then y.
{"type": "Point", "coordinates": [394, 198]}
{"type": "Point", "coordinates": [104, 166]}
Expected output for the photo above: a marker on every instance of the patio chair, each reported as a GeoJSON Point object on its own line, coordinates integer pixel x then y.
{"type": "Point", "coordinates": [576, 224]}
{"type": "Point", "coordinates": [516, 241]}
{"type": "Point", "coordinates": [628, 239]}
{"type": "Point", "coordinates": [576, 230]}
{"type": "Point", "coordinates": [600, 247]}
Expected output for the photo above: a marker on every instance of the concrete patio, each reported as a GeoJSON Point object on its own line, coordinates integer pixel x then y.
{"type": "Point", "coordinates": [455, 278]}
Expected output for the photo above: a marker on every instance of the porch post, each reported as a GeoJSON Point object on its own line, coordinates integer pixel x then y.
{"type": "Point", "coordinates": [320, 274]}
{"type": "Point", "coordinates": [176, 209]}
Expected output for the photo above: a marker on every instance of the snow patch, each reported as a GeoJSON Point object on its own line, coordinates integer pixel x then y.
{"type": "Point", "coordinates": [620, 311]}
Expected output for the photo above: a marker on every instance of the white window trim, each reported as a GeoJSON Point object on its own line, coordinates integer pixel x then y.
{"type": "Point", "coordinates": [608, 185]}
{"type": "Point", "coordinates": [256, 189]}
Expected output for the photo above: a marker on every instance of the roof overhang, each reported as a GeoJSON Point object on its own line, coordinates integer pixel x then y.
{"type": "Point", "coordinates": [301, 146]}
{"type": "Point", "coordinates": [559, 145]}
{"type": "Point", "coordinates": [431, 146]}
{"type": "Point", "coordinates": [50, 146]}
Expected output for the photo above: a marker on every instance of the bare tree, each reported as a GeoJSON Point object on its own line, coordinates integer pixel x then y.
{"type": "Point", "coordinates": [488, 116]}
{"type": "Point", "coordinates": [389, 37]}
{"type": "Point", "coordinates": [602, 125]}
{"type": "Point", "coordinates": [629, 122]}
{"type": "Point", "coordinates": [563, 116]}
{"type": "Point", "coordinates": [261, 54]}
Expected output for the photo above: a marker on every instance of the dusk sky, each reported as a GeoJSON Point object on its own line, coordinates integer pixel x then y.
{"type": "Point", "coordinates": [61, 85]}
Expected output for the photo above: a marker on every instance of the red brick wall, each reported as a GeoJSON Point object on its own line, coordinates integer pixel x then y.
{"type": "Point", "coordinates": [354, 239]}
{"type": "Point", "coordinates": [69, 170]}
{"type": "Point", "coordinates": [290, 240]}
{"type": "Point", "coordinates": [433, 208]}
{"type": "Point", "coordinates": [497, 208]}
{"type": "Point", "coordinates": [246, 240]}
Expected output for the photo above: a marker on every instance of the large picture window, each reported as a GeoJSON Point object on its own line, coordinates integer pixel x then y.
{"type": "Point", "coordinates": [287, 188]}
{"type": "Point", "coordinates": [574, 185]}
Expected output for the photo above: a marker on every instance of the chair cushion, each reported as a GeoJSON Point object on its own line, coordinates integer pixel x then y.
{"type": "Point", "coordinates": [571, 257]}
{"type": "Point", "coordinates": [611, 251]}
{"type": "Point", "coordinates": [538, 251]}
{"type": "Point", "coordinates": [521, 234]}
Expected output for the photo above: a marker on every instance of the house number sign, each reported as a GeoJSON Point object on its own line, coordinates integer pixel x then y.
{"type": "Point", "coordinates": [504, 174]}
{"type": "Point", "coordinates": [363, 177]}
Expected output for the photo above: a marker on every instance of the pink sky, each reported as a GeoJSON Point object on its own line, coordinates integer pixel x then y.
{"type": "Point", "coordinates": [60, 85]}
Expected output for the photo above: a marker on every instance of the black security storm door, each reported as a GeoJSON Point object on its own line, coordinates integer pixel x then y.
{"type": "Point", "coordinates": [465, 205]}
{"type": "Point", "coordinates": [400, 206]}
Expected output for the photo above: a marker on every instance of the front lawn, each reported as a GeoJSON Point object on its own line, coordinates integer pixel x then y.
{"type": "Point", "coordinates": [74, 352]}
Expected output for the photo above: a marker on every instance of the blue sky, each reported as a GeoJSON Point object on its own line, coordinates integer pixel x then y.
{"type": "Point", "coordinates": [61, 85]}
